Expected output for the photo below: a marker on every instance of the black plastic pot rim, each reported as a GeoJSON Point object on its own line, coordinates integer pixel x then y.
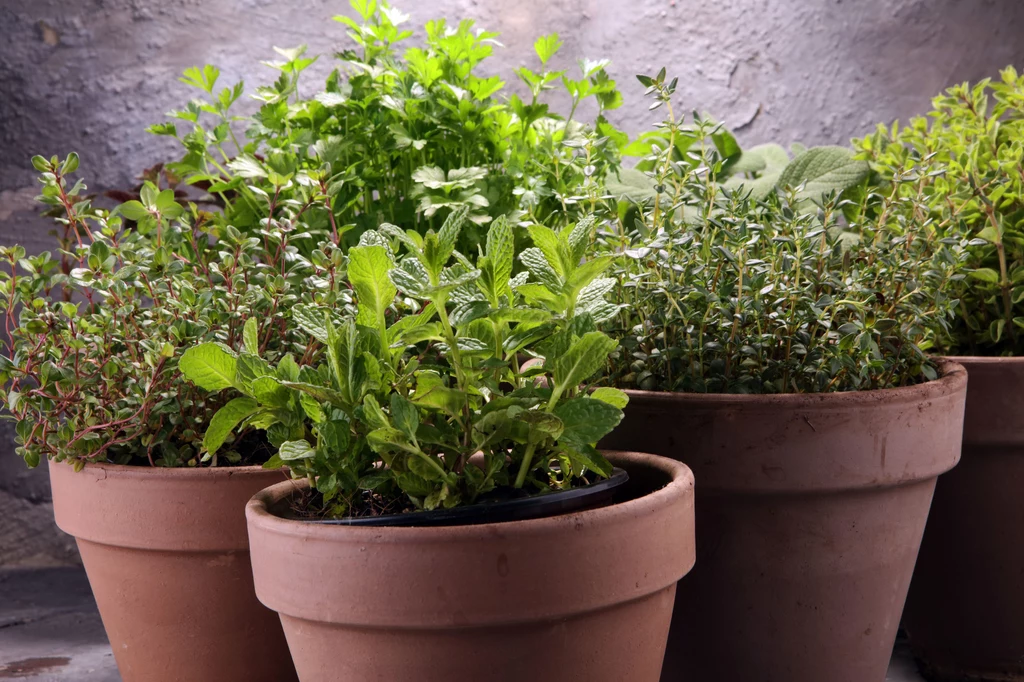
{"type": "Point", "coordinates": [537, 506]}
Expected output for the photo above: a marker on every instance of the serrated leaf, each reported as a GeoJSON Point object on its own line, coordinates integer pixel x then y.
{"type": "Point", "coordinates": [368, 269]}
{"type": "Point", "coordinates": [311, 320]}
{"type": "Point", "coordinates": [225, 421]}
{"type": "Point", "coordinates": [538, 266]}
{"type": "Point", "coordinates": [546, 47]}
{"type": "Point", "coordinates": [612, 396]}
{"type": "Point", "coordinates": [542, 425]}
{"type": "Point", "coordinates": [585, 356]}
{"type": "Point", "coordinates": [404, 416]}
{"type": "Point", "coordinates": [501, 254]}
{"type": "Point", "coordinates": [250, 336]}
{"type": "Point", "coordinates": [209, 366]}
{"type": "Point", "coordinates": [249, 368]}
{"type": "Point", "coordinates": [588, 457]}
{"type": "Point", "coordinates": [587, 420]}
{"type": "Point", "coordinates": [547, 240]}
{"type": "Point", "coordinates": [269, 391]}
{"type": "Point", "coordinates": [449, 233]}
{"type": "Point", "coordinates": [293, 450]}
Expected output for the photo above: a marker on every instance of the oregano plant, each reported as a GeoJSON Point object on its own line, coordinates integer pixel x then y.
{"type": "Point", "coordinates": [959, 169]}
{"type": "Point", "coordinates": [424, 398]}
{"type": "Point", "coordinates": [96, 333]}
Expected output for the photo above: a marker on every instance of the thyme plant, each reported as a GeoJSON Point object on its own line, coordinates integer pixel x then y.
{"type": "Point", "coordinates": [965, 161]}
{"type": "Point", "coordinates": [725, 291]}
{"type": "Point", "coordinates": [428, 374]}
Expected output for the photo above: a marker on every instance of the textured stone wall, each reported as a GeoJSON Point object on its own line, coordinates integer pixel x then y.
{"type": "Point", "coordinates": [89, 75]}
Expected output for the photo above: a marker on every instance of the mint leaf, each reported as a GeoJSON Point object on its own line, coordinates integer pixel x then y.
{"type": "Point", "coordinates": [368, 269]}
{"type": "Point", "coordinates": [586, 420]}
{"type": "Point", "coordinates": [225, 421]}
{"type": "Point", "coordinates": [588, 457]}
{"type": "Point", "coordinates": [538, 266]}
{"type": "Point", "coordinates": [585, 357]}
{"type": "Point", "coordinates": [208, 366]}
{"type": "Point", "coordinates": [294, 450]}
{"type": "Point", "coordinates": [450, 230]}
{"type": "Point", "coordinates": [250, 337]}
{"type": "Point", "coordinates": [612, 396]}
{"type": "Point", "coordinates": [405, 416]}
{"type": "Point", "coordinates": [546, 239]}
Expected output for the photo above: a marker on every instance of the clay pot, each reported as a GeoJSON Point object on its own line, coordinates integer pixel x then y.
{"type": "Point", "coordinates": [581, 596]}
{"type": "Point", "coordinates": [810, 515]}
{"type": "Point", "coordinates": [166, 552]}
{"type": "Point", "coordinates": [964, 611]}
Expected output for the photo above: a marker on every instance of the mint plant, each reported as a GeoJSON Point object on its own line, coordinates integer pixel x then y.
{"type": "Point", "coordinates": [96, 334]}
{"type": "Point", "coordinates": [726, 290]}
{"type": "Point", "coordinates": [963, 161]}
{"type": "Point", "coordinates": [427, 376]}
{"type": "Point", "coordinates": [403, 136]}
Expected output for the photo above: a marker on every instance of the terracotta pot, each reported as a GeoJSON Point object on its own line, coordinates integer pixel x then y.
{"type": "Point", "coordinates": [810, 515]}
{"type": "Point", "coordinates": [166, 552]}
{"type": "Point", "coordinates": [964, 611]}
{"type": "Point", "coordinates": [581, 596]}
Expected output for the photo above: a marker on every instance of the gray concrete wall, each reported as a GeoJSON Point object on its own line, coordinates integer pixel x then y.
{"type": "Point", "coordinates": [89, 75]}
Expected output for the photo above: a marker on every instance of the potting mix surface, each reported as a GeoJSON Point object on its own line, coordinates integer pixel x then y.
{"type": "Point", "coordinates": [50, 631]}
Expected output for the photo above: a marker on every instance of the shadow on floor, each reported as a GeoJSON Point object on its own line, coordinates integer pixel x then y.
{"type": "Point", "coordinates": [50, 631]}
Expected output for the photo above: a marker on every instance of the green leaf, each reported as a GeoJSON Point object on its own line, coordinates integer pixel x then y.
{"type": "Point", "coordinates": [632, 185]}
{"type": "Point", "coordinates": [985, 275]}
{"type": "Point", "coordinates": [612, 396]}
{"type": "Point", "coordinates": [311, 320]}
{"type": "Point", "coordinates": [225, 421]}
{"type": "Point", "coordinates": [368, 269]}
{"type": "Point", "coordinates": [501, 254]}
{"type": "Point", "coordinates": [269, 391]}
{"type": "Point", "coordinates": [449, 233]}
{"type": "Point", "coordinates": [546, 47]}
{"type": "Point", "coordinates": [824, 169]}
{"type": "Point", "coordinates": [763, 158]}
{"type": "Point", "coordinates": [585, 357]}
{"type": "Point", "coordinates": [133, 210]}
{"type": "Point", "coordinates": [373, 414]}
{"type": "Point", "coordinates": [249, 368]}
{"type": "Point", "coordinates": [554, 251]}
{"type": "Point", "coordinates": [209, 366]}
{"type": "Point", "coordinates": [591, 459]}
{"type": "Point", "coordinates": [538, 266]}
{"type": "Point", "coordinates": [586, 420]}
{"type": "Point", "coordinates": [405, 416]}
{"type": "Point", "coordinates": [320, 393]}
{"type": "Point", "coordinates": [293, 450]}
{"type": "Point", "coordinates": [250, 336]}
{"type": "Point", "coordinates": [432, 393]}
{"type": "Point", "coordinates": [542, 425]}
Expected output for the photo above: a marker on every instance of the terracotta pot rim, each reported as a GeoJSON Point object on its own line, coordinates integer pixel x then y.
{"type": "Point", "coordinates": [985, 359]}
{"type": "Point", "coordinates": [258, 513]}
{"type": "Point", "coordinates": [953, 378]}
{"type": "Point", "coordinates": [133, 506]}
{"type": "Point", "coordinates": [495, 574]}
{"type": "Point", "coordinates": [129, 471]}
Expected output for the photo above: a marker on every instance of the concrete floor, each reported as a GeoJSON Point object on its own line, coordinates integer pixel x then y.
{"type": "Point", "coordinates": [50, 631]}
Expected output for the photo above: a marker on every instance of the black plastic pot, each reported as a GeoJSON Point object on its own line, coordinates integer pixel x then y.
{"type": "Point", "coordinates": [591, 496]}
